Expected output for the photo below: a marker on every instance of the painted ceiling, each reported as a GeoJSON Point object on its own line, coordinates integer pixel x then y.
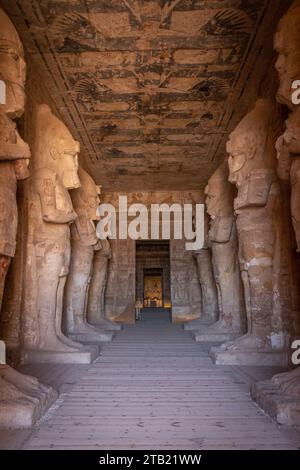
{"type": "Point", "coordinates": [151, 88]}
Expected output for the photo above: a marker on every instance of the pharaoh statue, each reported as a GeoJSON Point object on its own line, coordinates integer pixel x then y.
{"type": "Point", "coordinates": [258, 207]}
{"type": "Point", "coordinates": [286, 392]}
{"type": "Point", "coordinates": [223, 239]}
{"type": "Point", "coordinates": [22, 398]}
{"type": "Point", "coordinates": [286, 43]}
{"type": "Point", "coordinates": [50, 215]}
{"type": "Point", "coordinates": [96, 297]}
{"type": "Point", "coordinates": [203, 258]}
{"type": "Point", "coordinates": [84, 244]}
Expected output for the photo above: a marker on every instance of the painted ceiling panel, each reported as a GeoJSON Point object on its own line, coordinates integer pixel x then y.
{"type": "Point", "coordinates": [149, 87]}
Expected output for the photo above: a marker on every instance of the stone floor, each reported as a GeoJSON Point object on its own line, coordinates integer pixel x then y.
{"type": "Point", "coordinates": [153, 387]}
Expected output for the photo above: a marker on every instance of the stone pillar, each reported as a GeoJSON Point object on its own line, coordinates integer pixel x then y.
{"type": "Point", "coordinates": [258, 206]}
{"type": "Point", "coordinates": [50, 215]}
{"type": "Point", "coordinates": [22, 398]}
{"type": "Point", "coordinates": [84, 242]}
{"type": "Point", "coordinates": [96, 296]}
{"type": "Point", "coordinates": [210, 310]}
{"type": "Point", "coordinates": [280, 397]}
{"type": "Point", "coordinates": [223, 239]}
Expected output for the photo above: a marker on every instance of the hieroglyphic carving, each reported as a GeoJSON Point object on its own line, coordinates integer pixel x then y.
{"type": "Point", "coordinates": [134, 74]}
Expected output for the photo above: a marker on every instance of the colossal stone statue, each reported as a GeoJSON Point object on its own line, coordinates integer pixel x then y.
{"type": "Point", "coordinates": [50, 215]}
{"type": "Point", "coordinates": [14, 152]}
{"type": "Point", "coordinates": [280, 397]}
{"type": "Point", "coordinates": [84, 242]}
{"type": "Point", "coordinates": [258, 206]}
{"type": "Point", "coordinates": [210, 311]}
{"type": "Point", "coordinates": [96, 297]}
{"type": "Point", "coordinates": [22, 398]}
{"type": "Point", "coordinates": [223, 239]}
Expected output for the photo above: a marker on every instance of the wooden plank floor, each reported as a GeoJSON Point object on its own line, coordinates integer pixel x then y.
{"type": "Point", "coordinates": [155, 388]}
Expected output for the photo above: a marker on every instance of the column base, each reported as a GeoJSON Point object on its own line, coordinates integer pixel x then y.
{"type": "Point", "coordinates": [251, 357]}
{"type": "Point", "coordinates": [92, 338]}
{"type": "Point", "coordinates": [24, 414]}
{"type": "Point", "coordinates": [196, 324]}
{"type": "Point", "coordinates": [284, 409]}
{"type": "Point", "coordinates": [213, 337]}
{"type": "Point", "coordinates": [86, 356]}
{"type": "Point", "coordinates": [107, 325]}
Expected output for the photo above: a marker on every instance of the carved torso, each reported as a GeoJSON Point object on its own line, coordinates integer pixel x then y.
{"type": "Point", "coordinates": [8, 209]}
{"type": "Point", "coordinates": [48, 189]}
{"type": "Point", "coordinates": [83, 230]}
{"type": "Point", "coordinates": [221, 229]}
{"type": "Point", "coordinates": [8, 188]}
{"type": "Point", "coordinates": [256, 201]}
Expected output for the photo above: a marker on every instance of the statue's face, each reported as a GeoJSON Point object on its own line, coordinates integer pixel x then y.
{"type": "Point", "coordinates": [69, 166]}
{"type": "Point", "coordinates": [286, 44]}
{"type": "Point", "coordinates": [93, 202]}
{"type": "Point", "coordinates": [291, 136]}
{"type": "Point", "coordinates": [65, 155]}
{"type": "Point", "coordinates": [211, 200]}
{"type": "Point", "coordinates": [12, 69]}
{"type": "Point", "coordinates": [238, 155]}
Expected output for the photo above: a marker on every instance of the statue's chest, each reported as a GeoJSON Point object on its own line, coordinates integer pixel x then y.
{"type": "Point", "coordinates": [62, 197]}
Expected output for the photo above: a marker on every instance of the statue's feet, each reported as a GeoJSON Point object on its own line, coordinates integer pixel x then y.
{"type": "Point", "coordinates": [17, 379]}
{"type": "Point", "coordinates": [217, 328]}
{"type": "Point", "coordinates": [248, 341]}
{"type": "Point", "coordinates": [85, 328]}
{"type": "Point", "coordinates": [56, 345]}
{"type": "Point", "coordinates": [10, 393]}
{"type": "Point", "coordinates": [69, 342]}
{"type": "Point", "coordinates": [289, 382]}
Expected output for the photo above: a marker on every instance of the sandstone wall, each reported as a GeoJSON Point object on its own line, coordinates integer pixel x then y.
{"type": "Point", "coordinates": [185, 290]}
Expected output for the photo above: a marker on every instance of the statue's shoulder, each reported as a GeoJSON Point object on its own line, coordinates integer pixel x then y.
{"type": "Point", "coordinates": [44, 172]}
{"type": "Point", "coordinates": [43, 181]}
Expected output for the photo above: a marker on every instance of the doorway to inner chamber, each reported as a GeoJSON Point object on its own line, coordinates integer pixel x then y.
{"type": "Point", "coordinates": [153, 274]}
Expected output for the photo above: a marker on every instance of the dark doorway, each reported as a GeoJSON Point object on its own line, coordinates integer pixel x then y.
{"type": "Point", "coordinates": [153, 288]}
{"type": "Point", "coordinates": [153, 274]}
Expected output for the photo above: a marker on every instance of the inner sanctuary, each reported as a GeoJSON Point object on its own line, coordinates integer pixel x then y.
{"type": "Point", "coordinates": [121, 332]}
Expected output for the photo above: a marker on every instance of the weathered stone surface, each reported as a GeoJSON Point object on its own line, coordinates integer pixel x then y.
{"type": "Point", "coordinates": [84, 242]}
{"type": "Point", "coordinates": [48, 259]}
{"type": "Point", "coordinates": [120, 292]}
{"type": "Point", "coordinates": [210, 310]}
{"type": "Point", "coordinates": [223, 239]}
{"type": "Point", "coordinates": [258, 206]}
{"type": "Point", "coordinates": [96, 295]}
{"type": "Point", "coordinates": [22, 398]}
{"type": "Point", "coordinates": [280, 397]}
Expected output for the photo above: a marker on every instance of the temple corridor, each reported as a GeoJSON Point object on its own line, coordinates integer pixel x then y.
{"type": "Point", "coordinates": [149, 225]}
{"type": "Point", "coordinates": [154, 387]}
